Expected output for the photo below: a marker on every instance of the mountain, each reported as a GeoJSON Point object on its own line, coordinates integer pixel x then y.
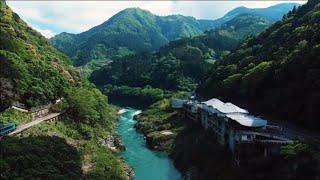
{"type": "Point", "coordinates": [272, 13]}
{"type": "Point", "coordinates": [276, 73]}
{"type": "Point", "coordinates": [131, 30]}
{"type": "Point", "coordinates": [224, 38]}
{"type": "Point", "coordinates": [134, 30]}
{"type": "Point", "coordinates": [182, 63]}
{"type": "Point", "coordinates": [31, 70]}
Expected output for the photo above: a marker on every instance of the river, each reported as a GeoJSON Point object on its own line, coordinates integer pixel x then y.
{"type": "Point", "coordinates": [147, 164]}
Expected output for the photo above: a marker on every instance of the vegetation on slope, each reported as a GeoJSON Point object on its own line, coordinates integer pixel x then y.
{"type": "Point", "coordinates": [15, 116]}
{"type": "Point", "coordinates": [40, 157]}
{"type": "Point", "coordinates": [156, 119]}
{"type": "Point", "coordinates": [64, 153]}
{"type": "Point", "coordinates": [129, 31]}
{"type": "Point", "coordinates": [272, 13]}
{"type": "Point", "coordinates": [134, 30]}
{"type": "Point", "coordinates": [193, 150]}
{"type": "Point", "coordinates": [182, 64]}
{"type": "Point", "coordinates": [138, 97]}
{"type": "Point", "coordinates": [68, 148]}
{"type": "Point", "coordinates": [34, 73]}
{"type": "Point", "coordinates": [277, 72]}
{"type": "Point", "coordinates": [31, 71]}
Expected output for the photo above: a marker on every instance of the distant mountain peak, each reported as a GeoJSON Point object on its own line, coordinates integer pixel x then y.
{"type": "Point", "coordinates": [272, 13]}
{"type": "Point", "coordinates": [135, 30]}
{"type": "Point", "coordinates": [132, 11]}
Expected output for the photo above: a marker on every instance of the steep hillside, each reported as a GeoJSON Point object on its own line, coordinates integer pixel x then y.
{"type": "Point", "coordinates": [31, 70]}
{"type": "Point", "coordinates": [183, 63]}
{"type": "Point", "coordinates": [276, 73]}
{"type": "Point", "coordinates": [34, 73]}
{"type": "Point", "coordinates": [134, 30]}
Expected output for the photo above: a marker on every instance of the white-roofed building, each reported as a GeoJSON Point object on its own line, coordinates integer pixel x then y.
{"type": "Point", "coordinates": [213, 103]}
{"type": "Point", "coordinates": [228, 108]}
{"type": "Point", "coordinates": [230, 125]}
{"type": "Point", "coordinates": [247, 120]}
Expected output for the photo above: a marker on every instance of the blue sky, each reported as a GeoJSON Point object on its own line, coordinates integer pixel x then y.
{"type": "Point", "coordinates": [53, 17]}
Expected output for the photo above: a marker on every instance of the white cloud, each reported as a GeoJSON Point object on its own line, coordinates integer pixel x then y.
{"type": "Point", "coordinates": [46, 32]}
{"type": "Point", "coordinates": [78, 16]}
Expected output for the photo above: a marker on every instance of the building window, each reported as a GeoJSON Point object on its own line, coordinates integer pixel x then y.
{"type": "Point", "coordinates": [244, 138]}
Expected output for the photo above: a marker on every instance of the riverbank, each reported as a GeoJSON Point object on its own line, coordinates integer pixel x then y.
{"type": "Point", "coordinates": [147, 163]}
{"type": "Point", "coordinates": [189, 148]}
{"type": "Point", "coordinates": [197, 156]}
{"type": "Point", "coordinates": [77, 146]}
{"type": "Point", "coordinates": [59, 150]}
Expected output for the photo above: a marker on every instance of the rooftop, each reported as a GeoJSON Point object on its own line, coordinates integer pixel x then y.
{"type": "Point", "coordinates": [247, 120]}
{"type": "Point", "coordinates": [213, 103]}
{"type": "Point", "coordinates": [235, 113]}
{"type": "Point", "coordinates": [225, 108]}
{"type": "Point", "coordinates": [231, 108]}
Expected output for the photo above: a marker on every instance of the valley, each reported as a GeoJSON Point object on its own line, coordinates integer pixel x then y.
{"type": "Point", "coordinates": [139, 156]}
{"type": "Point", "coordinates": [234, 97]}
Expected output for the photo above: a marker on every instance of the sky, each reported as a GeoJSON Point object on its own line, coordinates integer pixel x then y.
{"type": "Point", "coordinates": [53, 17]}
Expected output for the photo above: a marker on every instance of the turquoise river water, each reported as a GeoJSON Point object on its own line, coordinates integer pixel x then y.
{"type": "Point", "coordinates": [147, 164]}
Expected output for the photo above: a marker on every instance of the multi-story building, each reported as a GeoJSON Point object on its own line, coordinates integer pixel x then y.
{"type": "Point", "coordinates": [233, 127]}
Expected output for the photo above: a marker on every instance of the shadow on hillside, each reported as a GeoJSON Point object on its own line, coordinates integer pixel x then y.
{"type": "Point", "coordinates": [41, 157]}
{"type": "Point", "coordinates": [199, 157]}
{"type": "Point", "coordinates": [128, 101]}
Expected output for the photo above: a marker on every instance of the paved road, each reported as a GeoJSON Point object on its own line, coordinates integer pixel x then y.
{"type": "Point", "coordinates": [34, 122]}
{"type": "Point", "coordinates": [294, 132]}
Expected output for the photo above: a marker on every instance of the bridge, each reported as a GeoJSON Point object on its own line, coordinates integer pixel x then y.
{"type": "Point", "coordinates": [50, 117]}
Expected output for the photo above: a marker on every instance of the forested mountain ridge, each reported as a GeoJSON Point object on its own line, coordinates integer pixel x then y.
{"type": "Point", "coordinates": [181, 64]}
{"type": "Point", "coordinates": [31, 70]}
{"type": "Point", "coordinates": [272, 13]}
{"type": "Point", "coordinates": [134, 30]}
{"type": "Point", "coordinates": [129, 31]}
{"type": "Point", "coordinates": [276, 73]}
{"type": "Point", "coordinates": [224, 38]}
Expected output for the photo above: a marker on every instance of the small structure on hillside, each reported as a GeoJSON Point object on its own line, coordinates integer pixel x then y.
{"type": "Point", "coordinates": [177, 103]}
{"type": "Point", "coordinates": [234, 127]}
{"type": "Point", "coordinates": [40, 111]}
{"type": "Point", "coordinates": [19, 106]}
{"type": "Point", "coordinates": [35, 112]}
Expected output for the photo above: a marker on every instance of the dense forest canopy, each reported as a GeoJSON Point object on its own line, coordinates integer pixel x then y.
{"type": "Point", "coordinates": [129, 31]}
{"type": "Point", "coordinates": [272, 13]}
{"type": "Point", "coordinates": [134, 30]}
{"type": "Point", "coordinates": [31, 70]}
{"type": "Point", "coordinates": [183, 63]}
{"type": "Point", "coordinates": [276, 72]}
